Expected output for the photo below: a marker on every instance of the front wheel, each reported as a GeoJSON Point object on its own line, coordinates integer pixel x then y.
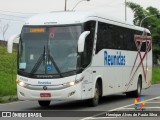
{"type": "Point", "coordinates": [95, 100]}
{"type": "Point", "coordinates": [44, 103]}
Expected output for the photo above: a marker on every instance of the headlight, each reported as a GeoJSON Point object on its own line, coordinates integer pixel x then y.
{"type": "Point", "coordinates": [21, 83]}
{"type": "Point", "coordinates": [73, 82]}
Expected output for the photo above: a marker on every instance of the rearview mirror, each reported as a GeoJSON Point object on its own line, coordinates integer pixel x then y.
{"type": "Point", "coordinates": [81, 41]}
{"type": "Point", "coordinates": [11, 40]}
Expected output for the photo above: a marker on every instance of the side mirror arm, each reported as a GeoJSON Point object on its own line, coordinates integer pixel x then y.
{"type": "Point", "coordinates": [81, 41]}
{"type": "Point", "coordinates": [11, 40]}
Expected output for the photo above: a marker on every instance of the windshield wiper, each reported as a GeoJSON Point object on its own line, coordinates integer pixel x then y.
{"type": "Point", "coordinates": [54, 63]}
{"type": "Point", "coordinates": [38, 63]}
{"type": "Point", "coordinates": [52, 59]}
{"type": "Point", "coordinates": [43, 58]}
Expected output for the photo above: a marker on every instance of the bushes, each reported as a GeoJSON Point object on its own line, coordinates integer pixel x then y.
{"type": "Point", "coordinates": [156, 75]}
{"type": "Point", "coordinates": [8, 71]}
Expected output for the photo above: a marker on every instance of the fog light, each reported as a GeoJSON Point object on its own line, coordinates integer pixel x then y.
{"type": "Point", "coordinates": [22, 93]}
{"type": "Point", "coordinates": [70, 94]}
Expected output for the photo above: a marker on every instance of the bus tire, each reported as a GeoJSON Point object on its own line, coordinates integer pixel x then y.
{"type": "Point", "coordinates": [137, 92]}
{"type": "Point", "coordinates": [95, 100]}
{"type": "Point", "coordinates": [44, 103]}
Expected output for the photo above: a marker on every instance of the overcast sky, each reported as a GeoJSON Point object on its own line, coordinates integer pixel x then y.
{"type": "Point", "coordinates": [111, 7]}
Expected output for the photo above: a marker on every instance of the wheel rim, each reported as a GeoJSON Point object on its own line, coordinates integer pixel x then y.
{"type": "Point", "coordinates": [139, 88]}
{"type": "Point", "coordinates": [96, 96]}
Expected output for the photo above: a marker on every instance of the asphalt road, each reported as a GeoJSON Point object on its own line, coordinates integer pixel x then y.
{"type": "Point", "coordinates": [118, 102]}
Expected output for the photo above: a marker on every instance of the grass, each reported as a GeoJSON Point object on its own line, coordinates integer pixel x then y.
{"type": "Point", "coordinates": [156, 75]}
{"type": "Point", "coordinates": [8, 99]}
{"type": "Point", "coordinates": [8, 71]}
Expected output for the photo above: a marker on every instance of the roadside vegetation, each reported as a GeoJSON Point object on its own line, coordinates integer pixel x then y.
{"type": "Point", "coordinates": [152, 23]}
{"type": "Point", "coordinates": [156, 75]}
{"type": "Point", "coordinates": [8, 71]}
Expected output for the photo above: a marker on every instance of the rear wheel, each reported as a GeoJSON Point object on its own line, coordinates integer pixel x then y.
{"type": "Point", "coordinates": [45, 103]}
{"type": "Point", "coordinates": [95, 100]}
{"type": "Point", "coordinates": [137, 92]}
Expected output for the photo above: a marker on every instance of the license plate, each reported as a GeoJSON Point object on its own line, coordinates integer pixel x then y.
{"type": "Point", "coordinates": [45, 94]}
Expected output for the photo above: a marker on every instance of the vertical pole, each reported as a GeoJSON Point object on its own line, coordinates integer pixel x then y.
{"type": "Point", "coordinates": [65, 6]}
{"type": "Point", "coordinates": [125, 10]}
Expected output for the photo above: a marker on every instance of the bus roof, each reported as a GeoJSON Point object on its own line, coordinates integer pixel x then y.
{"type": "Point", "coordinates": [59, 18]}
{"type": "Point", "coordinates": [77, 17]}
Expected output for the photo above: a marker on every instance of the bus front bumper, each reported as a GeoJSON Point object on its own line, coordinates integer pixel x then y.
{"type": "Point", "coordinates": [69, 93]}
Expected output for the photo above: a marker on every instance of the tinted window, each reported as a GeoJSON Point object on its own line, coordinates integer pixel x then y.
{"type": "Point", "coordinates": [88, 48]}
{"type": "Point", "coordinates": [129, 40]}
{"type": "Point", "coordinates": [115, 37]}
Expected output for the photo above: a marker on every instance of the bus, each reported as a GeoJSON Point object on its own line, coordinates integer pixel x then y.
{"type": "Point", "coordinates": [81, 55]}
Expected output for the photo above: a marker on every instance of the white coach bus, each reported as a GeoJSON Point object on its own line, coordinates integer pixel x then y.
{"type": "Point", "coordinates": [81, 56]}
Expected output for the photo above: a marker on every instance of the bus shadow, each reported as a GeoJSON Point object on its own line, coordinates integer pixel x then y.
{"type": "Point", "coordinates": [84, 105]}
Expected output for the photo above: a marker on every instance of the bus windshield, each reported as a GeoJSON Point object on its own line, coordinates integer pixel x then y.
{"type": "Point", "coordinates": [49, 49]}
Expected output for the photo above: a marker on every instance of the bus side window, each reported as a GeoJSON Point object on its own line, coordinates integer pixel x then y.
{"type": "Point", "coordinates": [103, 35]}
{"type": "Point", "coordinates": [129, 43]}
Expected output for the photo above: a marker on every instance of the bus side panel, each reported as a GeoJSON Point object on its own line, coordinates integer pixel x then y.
{"type": "Point", "coordinates": [87, 83]}
{"type": "Point", "coordinates": [136, 66]}
{"type": "Point", "coordinates": [130, 71]}
{"type": "Point", "coordinates": [148, 70]}
{"type": "Point", "coordinates": [98, 66]}
{"type": "Point", "coordinates": [112, 75]}
{"type": "Point", "coordinates": [124, 78]}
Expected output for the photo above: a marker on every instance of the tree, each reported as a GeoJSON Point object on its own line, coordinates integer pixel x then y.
{"type": "Point", "coordinates": [152, 10]}
{"type": "Point", "coordinates": [152, 23]}
{"type": "Point", "coordinates": [3, 30]}
{"type": "Point", "coordinates": [139, 12]}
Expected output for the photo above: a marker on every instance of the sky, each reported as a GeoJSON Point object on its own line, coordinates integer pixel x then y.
{"type": "Point", "coordinates": [15, 12]}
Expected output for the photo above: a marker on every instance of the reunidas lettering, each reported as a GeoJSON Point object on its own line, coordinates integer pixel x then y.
{"type": "Point", "coordinates": [117, 59]}
{"type": "Point", "coordinates": [44, 83]}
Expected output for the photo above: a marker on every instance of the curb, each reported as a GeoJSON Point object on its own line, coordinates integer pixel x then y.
{"type": "Point", "coordinates": [7, 99]}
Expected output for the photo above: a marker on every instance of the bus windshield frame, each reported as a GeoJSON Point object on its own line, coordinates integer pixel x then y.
{"type": "Point", "coordinates": [48, 51]}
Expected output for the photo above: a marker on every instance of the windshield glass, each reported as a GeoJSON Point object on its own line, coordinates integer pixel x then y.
{"type": "Point", "coordinates": [48, 50]}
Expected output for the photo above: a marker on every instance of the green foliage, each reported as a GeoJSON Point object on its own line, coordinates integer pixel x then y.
{"type": "Point", "coordinates": [152, 10]}
{"type": "Point", "coordinates": [8, 71]}
{"type": "Point", "coordinates": [156, 47]}
{"type": "Point", "coordinates": [152, 23]}
{"type": "Point", "coordinates": [156, 75]}
{"type": "Point", "coordinates": [139, 12]}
